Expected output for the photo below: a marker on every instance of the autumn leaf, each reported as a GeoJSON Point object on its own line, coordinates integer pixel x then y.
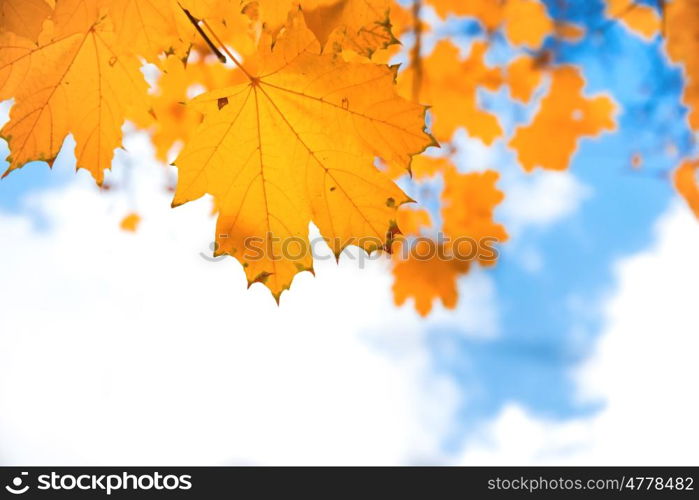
{"type": "Point", "coordinates": [425, 277]}
{"type": "Point", "coordinates": [412, 221]}
{"type": "Point", "coordinates": [687, 184]}
{"type": "Point", "coordinates": [526, 22]}
{"type": "Point", "coordinates": [450, 85]}
{"type": "Point", "coordinates": [468, 206]}
{"type": "Point", "coordinates": [75, 81]}
{"type": "Point", "coordinates": [564, 117]}
{"type": "Point", "coordinates": [427, 270]}
{"type": "Point", "coordinates": [683, 47]}
{"type": "Point", "coordinates": [524, 75]}
{"type": "Point", "coordinates": [24, 17]}
{"type": "Point", "coordinates": [296, 144]}
{"type": "Point", "coordinates": [424, 166]}
{"type": "Point", "coordinates": [643, 20]}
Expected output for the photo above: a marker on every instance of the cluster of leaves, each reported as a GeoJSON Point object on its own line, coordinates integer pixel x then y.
{"type": "Point", "coordinates": [303, 119]}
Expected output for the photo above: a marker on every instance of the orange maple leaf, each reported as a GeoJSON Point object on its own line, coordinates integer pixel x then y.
{"type": "Point", "coordinates": [24, 17]}
{"type": "Point", "coordinates": [77, 80]}
{"type": "Point", "coordinates": [450, 85]}
{"type": "Point", "coordinates": [526, 22]}
{"type": "Point", "coordinates": [425, 276]}
{"type": "Point", "coordinates": [683, 47]}
{"type": "Point", "coordinates": [643, 20]}
{"type": "Point", "coordinates": [296, 143]}
{"type": "Point", "coordinates": [565, 116]}
{"type": "Point", "coordinates": [687, 184]}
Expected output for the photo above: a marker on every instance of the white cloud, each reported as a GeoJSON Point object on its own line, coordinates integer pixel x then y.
{"type": "Point", "coordinates": [643, 369]}
{"type": "Point", "coordinates": [540, 199]}
{"type": "Point", "coordinates": [133, 349]}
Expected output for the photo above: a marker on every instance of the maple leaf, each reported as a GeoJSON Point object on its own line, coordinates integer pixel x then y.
{"type": "Point", "coordinates": [643, 20]}
{"type": "Point", "coordinates": [683, 47]}
{"type": "Point", "coordinates": [449, 85]}
{"type": "Point", "coordinates": [75, 81]}
{"type": "Point", "coordinates": [468, 205]}
{"type": "Point", "coordinates": [362, 26]}
{"type": "Point", "coordinates": [427, 270]}
{"type": "Point", "coordinates": [524, 75]}
{"type": "Point", "coordinates": [296, 143]}
{"type": "Point", "coordinates": [412, 221]}
{"type": "Point", "coordinates": [24, 17]}
{"type": "Point", "coordinates": [425, 277]}
{"type": "Point", "coordinates": [526, 22]}
{"type": "Point", "coordinates": [565, 115]}
{"type": "Point", "coordinates": [687, 184]}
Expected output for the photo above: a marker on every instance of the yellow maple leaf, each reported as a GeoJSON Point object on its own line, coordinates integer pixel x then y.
{"type": "Point", "coordinates": [24, 17]}
{"type": "Point", "coordinates": [75, 81]}
{"type": "Point", "coordinates": [687, 184]}
{"type": "Point", "coordinates": [296, 143]}
{"type": "Point", "coordinates": [683, 47]}
{"type": "Point", "coordinates": [449, 85]}
{"type": "Point", "coordinates": [564, 117]}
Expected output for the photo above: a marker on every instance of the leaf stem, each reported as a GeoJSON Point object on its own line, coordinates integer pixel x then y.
{"type": "Point", "coordinates": [208, 41]}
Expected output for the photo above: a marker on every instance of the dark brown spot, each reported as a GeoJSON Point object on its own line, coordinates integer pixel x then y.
{"type": "Point", "coordinates": [222, 102]}
{"type": "Point", "coordinates": [390, 203]}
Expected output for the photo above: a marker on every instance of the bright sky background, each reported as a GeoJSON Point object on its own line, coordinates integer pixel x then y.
{"type": "Point", "coordinates": [579, 348]}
